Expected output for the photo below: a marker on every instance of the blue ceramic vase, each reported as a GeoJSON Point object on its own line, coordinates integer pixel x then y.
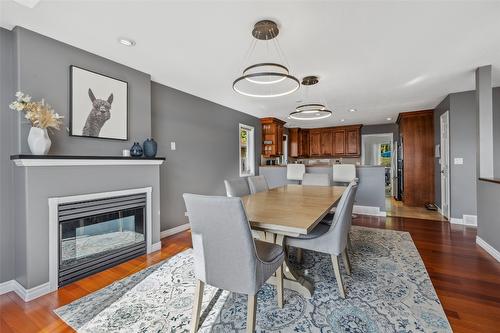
{"type": "Point", "coordinates": [150, 148]}
{"type": "Point", "coordinates": [136, 150]}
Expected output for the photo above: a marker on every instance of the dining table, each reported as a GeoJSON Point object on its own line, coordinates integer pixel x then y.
{"type": "Point", "coordinates": [290, 210]}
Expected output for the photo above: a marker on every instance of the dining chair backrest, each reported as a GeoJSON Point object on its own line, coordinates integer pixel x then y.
{"type": "Point", "coordinates": [257, 184]}
{"type": "Point", "coordinates": [334, 240]}
{"type": "Point", "coordinates": [295, 171]}
{"type": "Point", "coordinates": [223, 247]}
{"type": "Point", "coordinates": [344, 173]}
{"type": "Point", "coordinates": [237, 187]}
{"type": "Point", "coordinates": [316, 179]}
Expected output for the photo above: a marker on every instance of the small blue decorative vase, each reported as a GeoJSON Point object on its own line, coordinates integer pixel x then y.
{"type": "Point", "coordinates": [150, 148]}
{"type": "Point", "coordinates": [136, 150]}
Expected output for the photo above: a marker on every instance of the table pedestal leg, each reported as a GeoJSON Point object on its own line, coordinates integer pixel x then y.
{"type": "Point", "coordinates": [291, 280]}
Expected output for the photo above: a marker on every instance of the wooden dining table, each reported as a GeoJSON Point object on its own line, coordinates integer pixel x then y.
{"type": "Point", "coordinates": [290, 210]}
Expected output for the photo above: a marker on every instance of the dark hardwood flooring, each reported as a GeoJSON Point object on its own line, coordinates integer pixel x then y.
{"type": "Point", "coordinates": [466, 278]}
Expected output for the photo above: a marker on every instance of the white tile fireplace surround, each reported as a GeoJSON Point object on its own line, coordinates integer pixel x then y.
{"type": "Point", "coordinates": [42, 183]}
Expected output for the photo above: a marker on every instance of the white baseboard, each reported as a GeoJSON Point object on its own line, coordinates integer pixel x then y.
{"type": "Point", "coordinates": [468, 220]}
{"type": "Point", "coordinates": [368, 210]}
{"type": "Point", "coordinates": [173, 231]}
{"type": "Point", "coordinates": [488, 248]}
{"type": "Point", "coordinates": [25, 294]}
{"type": "Point", "coordinates": [156, 247]}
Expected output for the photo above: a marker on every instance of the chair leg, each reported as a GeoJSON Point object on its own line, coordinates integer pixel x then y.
{"type": "Point", "coordinates": [298, 254]}
{"type": "Point", "coordinates": [347, 263]}
{"type": "Point", "coordinates": [336, 268]}
{"type": "Point", "coordinates": [279, 286]}
{"type": "Point", "coordinates": [349, 244]}
{"type": "Point", "coordinates": [198, 298]}
{"type": "Point", "coordinates": [251, 311]}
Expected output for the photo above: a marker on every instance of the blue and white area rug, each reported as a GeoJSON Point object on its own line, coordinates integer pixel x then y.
{"type": "Point", "coordinates": [388, 291]}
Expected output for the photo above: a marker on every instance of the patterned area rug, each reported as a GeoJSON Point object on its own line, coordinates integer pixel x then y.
{"type": "Point", "coordinates": [388, 291]}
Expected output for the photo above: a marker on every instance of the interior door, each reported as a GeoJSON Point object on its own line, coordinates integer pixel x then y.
{"type": "Point", "coordinates": [445, 164]}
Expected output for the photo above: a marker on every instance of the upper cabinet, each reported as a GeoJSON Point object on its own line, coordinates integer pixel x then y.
{"type": "Point", "coordinates": [326, 142]}
{"type": "Point", "coordinates": [343, 141]}
{"type": "Point", "coordinates": [272, 136]}
{"type": "Point", "coordinates": [298, 142]}
{"type": "Point", "coordinates": [315, 142]}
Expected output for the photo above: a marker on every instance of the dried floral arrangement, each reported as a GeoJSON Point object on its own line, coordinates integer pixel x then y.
{"type": "Point", "coordinates": [39, 113]}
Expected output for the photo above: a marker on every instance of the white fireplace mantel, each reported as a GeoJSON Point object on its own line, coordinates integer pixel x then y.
{"type": "Point", "coordinates": [68, 160]}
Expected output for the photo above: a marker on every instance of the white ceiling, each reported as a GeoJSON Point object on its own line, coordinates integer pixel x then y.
{"type": "Point", "coordinates": [380, 58]}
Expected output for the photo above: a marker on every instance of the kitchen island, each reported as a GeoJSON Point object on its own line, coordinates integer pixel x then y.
{"type": "Point", "coordinates": [370, 197]}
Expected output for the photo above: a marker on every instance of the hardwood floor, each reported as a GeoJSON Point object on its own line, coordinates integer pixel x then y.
{"type": "Point", "coordinates": [396, 208]}
{"type": "Point", "coordinates": [465, 277]}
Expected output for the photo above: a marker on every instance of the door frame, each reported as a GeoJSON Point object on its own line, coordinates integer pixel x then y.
{"type": "Point", "coordinates": [445, 155]}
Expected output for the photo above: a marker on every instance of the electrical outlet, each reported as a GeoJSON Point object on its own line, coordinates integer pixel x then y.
{"type": "Point", "coordinates": [172, 145]}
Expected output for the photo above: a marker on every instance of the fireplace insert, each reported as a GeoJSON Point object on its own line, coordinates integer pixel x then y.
{"type": "Point", "coordinates": [98, 234]}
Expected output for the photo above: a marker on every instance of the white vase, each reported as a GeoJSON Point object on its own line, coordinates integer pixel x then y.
{"type": "Point", "coordinates": [39, 141]}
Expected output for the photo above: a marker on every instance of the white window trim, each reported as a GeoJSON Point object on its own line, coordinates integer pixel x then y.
{"type": "Point", "coordinates": [251, 147]}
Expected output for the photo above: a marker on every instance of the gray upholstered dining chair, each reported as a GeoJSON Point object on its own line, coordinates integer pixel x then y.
{"type": "Point", "coordinates": [225, 254]}
{"type": "Point", "coordinates": [237, 187]}
{"type": "Point", "coordinates": [257, 184]}
{"type": "Point", "coordinates": [332, 240]}
{"type": "Point", "coordinates": [316, 179]}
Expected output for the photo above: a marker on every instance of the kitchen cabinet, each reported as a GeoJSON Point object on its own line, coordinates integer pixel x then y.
{"type": "Point", "coordinates": [326, 142]}
{"type": "Point", "coordinates": [352, 141]}
{"type": "Point", "coordinates": [339, 142]}
{"type": "Point", "coordinates": [294, 141]}
{"type": "Point", "coordinates": [315, 142]}
{"type": "Point", "coordinates": [298, 142]}
{"type": "Point", "coordinates": [304, 143]}
{"type": "Point", "coordinates": [272, 136]}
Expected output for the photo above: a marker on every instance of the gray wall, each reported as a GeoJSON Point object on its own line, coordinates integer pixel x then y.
{"type": "Point", "coordinates": [43, 72]}
{"type": "Point", "coordinates": [463, 143]}
{"type": "Point", "coordinates": [39, 66]}
{"type": "Point", "coordinates": [206, 136]}
{"type": "Point", "coordinates": [488, 213]}
{"type": "Point", "coordinates": [7, 147]}
{"type": "Point", "coordinates": [380, 129]}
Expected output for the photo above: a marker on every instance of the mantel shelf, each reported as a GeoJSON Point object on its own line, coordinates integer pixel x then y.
{"type": "Point", "coordinates": [77, 160]}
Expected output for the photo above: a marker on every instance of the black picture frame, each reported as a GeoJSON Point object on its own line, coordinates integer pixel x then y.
{"type": "Point", "coordinates": [72, 109]}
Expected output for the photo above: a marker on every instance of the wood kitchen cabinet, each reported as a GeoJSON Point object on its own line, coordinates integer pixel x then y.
{"type": "Point", "coordinates": [272, 136]}
{"type": "Point", "coordinates": [298, 142]}
{"type": "Point", "coordinates": [338, 141]}
{"type": "Point", "coordinates": [294, 142]}
{"type": "Point", "coordinates": [352, 141]}
{"type": "Point", "coordinates": [315, 142]}
{"type": "Point", "coordinates": [342, 141]}
{"type": "Point", "coordinates": [326, 142]}
{"type": "Point", "coordinates": [304, 143]}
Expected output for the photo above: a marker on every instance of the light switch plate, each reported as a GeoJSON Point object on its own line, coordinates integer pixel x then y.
{"type": "Point", "coordinates": [172, 145]}
{"type": "Point", "coordinates": [458, 161]}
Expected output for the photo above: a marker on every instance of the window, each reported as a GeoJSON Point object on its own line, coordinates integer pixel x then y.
{"type": "Point", "coordinates": [246, 150]}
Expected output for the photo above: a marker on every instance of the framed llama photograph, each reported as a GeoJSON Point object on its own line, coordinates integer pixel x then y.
{"type": "Point", "coordinates": [99, 105]}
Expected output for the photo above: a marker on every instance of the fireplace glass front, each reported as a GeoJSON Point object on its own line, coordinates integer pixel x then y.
{"type": "Point", "coordinates": [95, 235]}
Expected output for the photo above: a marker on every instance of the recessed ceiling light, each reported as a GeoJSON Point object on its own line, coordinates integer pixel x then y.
{"type": "Point", "coordinates": [126, 42]}
{"type": "Point", "coordinates": [352, 110]}
{"type": "Point", "coordinates": [342, 120]}
{"type": "Point", "coordinates": [389, 118]}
